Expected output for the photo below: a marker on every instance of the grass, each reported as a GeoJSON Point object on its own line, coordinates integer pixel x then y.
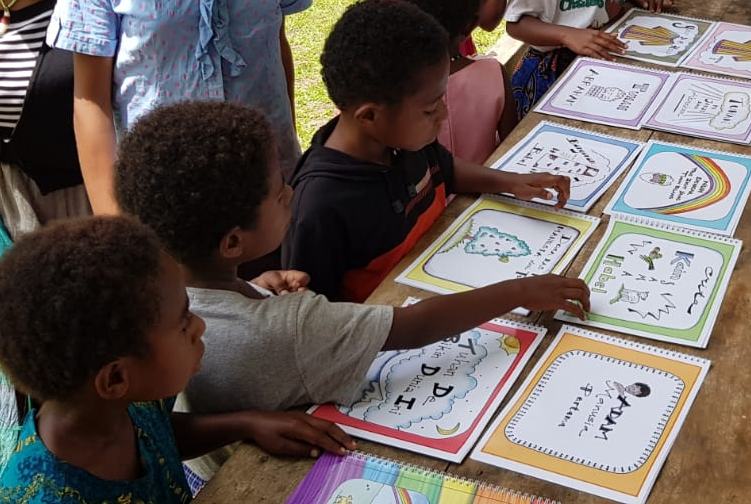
{"type": "Point", "coordinates": [306, 33]}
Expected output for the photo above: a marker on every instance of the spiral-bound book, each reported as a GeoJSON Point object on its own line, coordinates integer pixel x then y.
{"type": "Point", "coordinates": [436, 400]}
{"type": "Point", "coordinates": [653, 279]}
{"type": "Point", "coordinates": [361, 478]}
{"type": "Point", "coordinates": [497, 239]}
{"type": "Point", "coordinates": [597, 413]}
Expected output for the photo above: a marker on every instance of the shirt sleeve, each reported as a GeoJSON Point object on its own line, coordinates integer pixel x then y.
{"type": "Point", "coordinates": [294, 6]}
{"type": "Point", "coordinates": [336, 344]}
{"type": "Point", "coordinates": [85, 26]}
{"type": "Point", "coordinates": [543, 10]}
{"type": "Point", "coordinates": [316, 243]}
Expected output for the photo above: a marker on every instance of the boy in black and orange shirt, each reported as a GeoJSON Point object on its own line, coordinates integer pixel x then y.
{"type": "Point", "coordinates": [375, 179]}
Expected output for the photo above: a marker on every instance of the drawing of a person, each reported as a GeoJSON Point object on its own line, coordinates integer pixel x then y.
{"type": "Point", "coordinates": [637, 389]}
{"type": "Point", "coordinates": [652, 257]}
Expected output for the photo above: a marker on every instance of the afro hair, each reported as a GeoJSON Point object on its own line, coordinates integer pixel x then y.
{"type": "Point", "coordinates": [377, 50]}
{"type": "Point", "coordinates": [458, 17]}
{"type": "Point", "coordinates": [193, 171]}
{"type": "Point", "coordinates": [75, 296]}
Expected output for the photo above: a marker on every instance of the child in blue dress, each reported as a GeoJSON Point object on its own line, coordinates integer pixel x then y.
{"type": "Point", "coordinates": [95, 325]}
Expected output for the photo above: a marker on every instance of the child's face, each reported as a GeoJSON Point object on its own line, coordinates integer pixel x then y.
{"type": "Point", "coordinates": [491, 13]}
{"type": "Point", "coordinates": [274, 214]}
{"type": "Point", "coordinates": [175, 346]}
{"type": "Point", "coordinates": [416, 121]}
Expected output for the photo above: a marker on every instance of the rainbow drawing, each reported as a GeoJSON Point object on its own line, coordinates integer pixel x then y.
{"type": "Point", "coordinates": [739, 51]}
{"type": "Point", "coordinates": [360, 478]}
{"type": "Point", "coordinates": [658, 36]}
{"type": "Point", "coordinates": [719, 187]}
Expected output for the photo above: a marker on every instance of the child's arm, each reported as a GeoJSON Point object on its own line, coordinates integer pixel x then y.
{"type": "Point", "coordinates": [277, 432]}
{"type": "Point", "coordinates": [509, 119]}
{"type": "Point", "coordinates": [583, 41]}
{"type": "Point", "coordinates": [444, 316]}
{"type": "Point", "coordinates": [95, 129]}
{"type": "Point", "coordinates": [472, 178]}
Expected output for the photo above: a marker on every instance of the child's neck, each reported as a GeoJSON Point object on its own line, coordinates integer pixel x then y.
{"type": "Point", "coordinates": [95, 435]}
{"type": "Point", "coordinates": [219, 275]}
{"type": "Point", "coordinates": [348, 138]}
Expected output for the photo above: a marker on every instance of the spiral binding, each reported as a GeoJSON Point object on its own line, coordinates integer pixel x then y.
{"type": "Point", "coordinates": [532, 205]}
{"type": "Point", "coordinates": [704, 20]}
{"type": "Point", "coordinates": [627, 66]}
{"type": "Point", "coordinates": [566, 328]}
{"type": "Point", "coordinates": [505, 493]}
{"type": "Point", "coordinates": [666, 226]}
{"type": "Point", "coordinates": [679, 145]}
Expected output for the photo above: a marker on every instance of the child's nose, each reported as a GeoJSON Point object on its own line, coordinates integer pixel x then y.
{"type": "Point", "coordinates": [199, 328]}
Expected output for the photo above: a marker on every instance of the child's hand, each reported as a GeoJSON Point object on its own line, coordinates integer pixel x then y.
{"type": "Point", "coordinates": [296, 433]}
{"type": "Point", "coordinates": [283, 281]}
{"type": "Point", "coordinates": [536, 185]}
{"type": "Point", "coordinates": [554, 292]}
{"type": "Point", "coordinates": [655, 5]}
{"type": "Point", "coordinates": [594, 43]}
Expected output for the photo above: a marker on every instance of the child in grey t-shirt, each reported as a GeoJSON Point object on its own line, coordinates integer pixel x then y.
{"type": "Point", "coordinates": [206, 178]}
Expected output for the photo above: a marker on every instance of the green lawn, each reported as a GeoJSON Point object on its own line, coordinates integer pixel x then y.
{"type": "Point", "coordinates": [306, 33]}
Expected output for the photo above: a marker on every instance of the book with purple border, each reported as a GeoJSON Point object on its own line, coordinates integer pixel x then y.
{"type": "Point", "coordinates": [603, 92]}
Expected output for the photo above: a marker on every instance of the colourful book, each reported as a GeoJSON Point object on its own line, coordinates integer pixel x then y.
{"type": "Point", "coordinates": [703, 106]}
{"type": "Point", "coordinates": [592, 161]}
{"type": "Point", "coordinates": [693, 188]}
{"type": "Point", "coordinates": [598, 414]}
{"type": "Point", "coordinates": [604, 92]}
{"type": "Point", "coordinates": [497, 239]}
{"type": "Point", "coordinates": [361, 478]}
{"type": "Point", "coordinates": [725, 50]}
{"type": "Point", "coordinates": [652, 279]}
{"type": "Point", "coordinates": [658, 37]}
{"type": "Point", "coordinates": [437, 400]}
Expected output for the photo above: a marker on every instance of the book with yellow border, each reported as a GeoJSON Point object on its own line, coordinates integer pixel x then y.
{"type": "Point", "coordinates": [597, 413]}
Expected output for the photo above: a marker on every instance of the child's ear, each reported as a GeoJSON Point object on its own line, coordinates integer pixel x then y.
{"type": "Point", "coordinates": [232, 246]}
{"type": "Point", "coordinates": [367, 114]}
{"type": "Point", "coordinates": [112, 381]}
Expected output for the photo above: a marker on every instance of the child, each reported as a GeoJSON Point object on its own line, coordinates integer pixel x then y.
{"type": "Point", "coordinates": [476, 96]}
{"type": "Point", "coordinates": [101, 349]}
{"type": "Point", "coordinates": [132, 56]}
{"type": "Point", "coordinates": [282, 351]}
{"type": "Point", "coordinates": [374, 179]}
{"type": "Point", "coordinates": [557, 31]}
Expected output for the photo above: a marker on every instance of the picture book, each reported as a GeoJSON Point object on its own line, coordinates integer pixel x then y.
{"type": "Point", "coordinates": [725, 50]}
{"type": "Point", "coordinates": [604, 92]}
{"type": "Point", "coordinates": [437, 400]}
{"type": "Point", "coordinates": [706, 107]}
{"type": "Point", "coordinates": [360, 478]}
{"type": "Point", "coordinates": [497, 239]}
{"type": "Point", "coordinates": [693, 188]}
{"type": "Point", "coordinates": [658, 281]}
{"type": "Point", "coordinates": [592, 161]}
{"type": "Point", "coordinates": [597, 414]}
{"type": "Point", "coordinates": [661, 38]}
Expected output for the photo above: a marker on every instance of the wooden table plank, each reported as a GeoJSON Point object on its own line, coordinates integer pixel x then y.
{"type": "Point", "coordinates": [711, 458]}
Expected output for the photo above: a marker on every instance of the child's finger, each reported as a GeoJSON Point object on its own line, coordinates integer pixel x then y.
{"type": "Point", "coordinates": [334, 431]}
{"type": "Point", "coordinates": [580, 295]}
{"type": "Point", "coordinates": [574, 309]}
{"type": "Point", "coordinates": [317, 437]}
{"type": "Point", "coordinates": [611, 43]}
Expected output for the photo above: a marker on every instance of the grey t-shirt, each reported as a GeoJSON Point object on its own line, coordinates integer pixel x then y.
{"type": "Point", "coordinates": [282, 351]}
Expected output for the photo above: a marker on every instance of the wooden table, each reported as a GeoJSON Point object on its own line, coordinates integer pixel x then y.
{"type": "Point", "coordinates": [710, 461]}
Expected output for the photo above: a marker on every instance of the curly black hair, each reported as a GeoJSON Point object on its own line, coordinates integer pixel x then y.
{"type": "Point", "coordinates": [458, 17]}
{"type": "Point", "coordinates": [76, 295]}
{"type": "Point", "coordinates": [376, 51]}
{"type": "Point", "coordinates": [194, 170]}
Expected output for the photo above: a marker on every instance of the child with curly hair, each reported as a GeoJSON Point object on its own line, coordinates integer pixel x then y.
{"type": "Point", "coordinates": [101, 350]}
{"type": "Point", "coordinates": [479, 104]}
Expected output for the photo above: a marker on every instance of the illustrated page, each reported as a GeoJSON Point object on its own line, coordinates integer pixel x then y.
{"type": "Point", "coordinates": [597, 413]}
